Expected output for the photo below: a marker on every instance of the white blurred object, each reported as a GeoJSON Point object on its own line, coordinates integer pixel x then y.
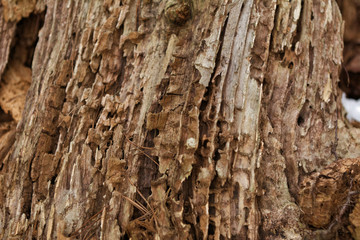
{"type": "Point", "coordinates": [352, 108]}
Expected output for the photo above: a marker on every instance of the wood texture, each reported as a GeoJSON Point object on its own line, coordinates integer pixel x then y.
{"type": "Point", "coordinates": [176, 119]}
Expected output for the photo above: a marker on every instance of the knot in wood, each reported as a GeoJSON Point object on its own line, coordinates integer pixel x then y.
{"type": "Point", "coordinates": [177, 12]}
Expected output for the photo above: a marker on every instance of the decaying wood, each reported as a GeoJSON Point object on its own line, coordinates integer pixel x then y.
{"type": "Point", "coordinates": [178, 119]}
{"type": "Point", "coordinates": [7, 30]}
{"type": "Point", "coordinates": [326, 195]}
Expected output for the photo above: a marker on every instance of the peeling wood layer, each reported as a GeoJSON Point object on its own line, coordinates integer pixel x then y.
{"type": "Point", "coordinates": [175, 119]}
{"type": "Point", "coordinates": [7, 31]}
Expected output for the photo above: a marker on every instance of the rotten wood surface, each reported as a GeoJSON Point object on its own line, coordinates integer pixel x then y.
{"type": "Point", "coordinates": [175, 119]}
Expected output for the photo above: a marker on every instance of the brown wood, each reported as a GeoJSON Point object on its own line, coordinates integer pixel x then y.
{"type": "Point", "coordinates": [180, 119]}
